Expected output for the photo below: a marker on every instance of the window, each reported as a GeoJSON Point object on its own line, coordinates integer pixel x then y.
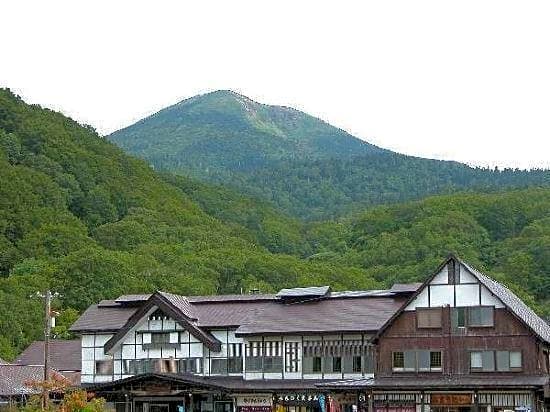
{"type": "Point", "coordinates": [475, 360]}
{"type": "Point", "coordinates": [460, 317]}
{"type": "Point", "coordinates": [266, 357]}
{"type": "Point", "coordinates": [235, 358]}
{"type": "Point", "coordinates": [218, 366]}
{"type": "Point", "coordinates": [139, 366]}
{"type": "Point", "coordinates": [480, 316]}
{"type": "Point", "coordinates": [509, 361]}
{"type": "Point", "coordinates": [482, 361]}
{"type": "Point", "coordinates": [501, 361]}
{"type": "Point", "coordinates": [190, 365]}
{"type": "Point", "coordinates": [424, 360]}
{"type": "Point", "coordinates": [410, 360]}
{"type": "Point", "coordinates": [428, 317]}
{"type": "Point", "coordinates": [357, 364]}
{"type": "Point", "coordinates": [253, 361]}
{"type": "Point", "coordinates": [104, 367]}
{"type": "Point", "coordinates": [475, 316]}
{"type": "Point", "coordinates": [398, 360]}
{"type": "Point", "coordinates": [291, 357]}
{"type": "Point", "coordinates": [333, 364]}
{"type": "Point", "coordinates": [160, 338]}
{"type": "Point", "coordinates": [235, 365]}
{"type": "Point", "coordinates": [515, 360]}
{"type": "Point", "coordinates": [273, 364]}
{"type": "Point", "coordinates": [435, 360]}
{"type": "Point", "coordinates": [273, 357]}
{"type": "Point", "coordinates": [329, 362]}
{"type": "Point", "coordinates": [312, 364]}
{"type": "Point", "coordinates": [488, 360]}
{"type": "Point", "coordinates": [253, 364]}
{"type": "Point", "coordinates": [417, 360]}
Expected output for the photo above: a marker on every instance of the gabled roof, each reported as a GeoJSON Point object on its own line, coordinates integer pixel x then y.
{"type": "Point", "coordinates": [65, 355]}
{"type": "Point", "coordinates": [514, 304]}
{"type": "Point", "coordinates": [181, 304]}
{"type": "Point", "coordinates": [346, 310]}
{"type": "Point", "coordinates": [178, 308]}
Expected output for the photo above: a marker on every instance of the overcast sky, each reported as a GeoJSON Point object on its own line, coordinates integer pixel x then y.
{"type": "Point", "coordinates": [462, 80]}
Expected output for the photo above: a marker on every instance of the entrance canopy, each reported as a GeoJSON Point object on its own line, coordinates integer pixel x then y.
{"type": "Point", "coordinates": [156, 384]}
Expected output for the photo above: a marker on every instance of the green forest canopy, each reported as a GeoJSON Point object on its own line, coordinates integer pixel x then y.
{"type": "Point", "coordinates": [81, 217]}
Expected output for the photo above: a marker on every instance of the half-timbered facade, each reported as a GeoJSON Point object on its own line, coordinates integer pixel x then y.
{"type": "Point", "coordinates": [461, 342]}
{"type": "Point", "coordinates": [458, 342]}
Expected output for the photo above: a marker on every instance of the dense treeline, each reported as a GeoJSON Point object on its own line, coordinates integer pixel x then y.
{"type": "Point", "coordinates": [301, 164]}
{"type": "Point", "coordinates": [329, 188]}
{"type": "Point", "coordinates": [81, 217]}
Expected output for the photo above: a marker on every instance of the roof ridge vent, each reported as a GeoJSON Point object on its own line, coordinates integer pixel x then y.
{"type": "Point", "coordinates": [303, 293]}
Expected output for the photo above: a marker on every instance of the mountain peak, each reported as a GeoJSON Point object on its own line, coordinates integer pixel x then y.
{"type": "Point", "coordinates": [222, 95]}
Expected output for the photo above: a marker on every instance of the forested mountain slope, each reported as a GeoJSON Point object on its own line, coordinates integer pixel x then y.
{"type": "Point", "coordinates": [83, 218]}
{"type": "Point", "coordinates": [299, 163]}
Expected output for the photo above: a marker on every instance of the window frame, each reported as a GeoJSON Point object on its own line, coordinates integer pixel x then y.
{"type": "Point", "coordinates": [469, 323]}
{"type": "Point", "coordinates": [401, 367]}
{"type": "Point", "coordinates": [416, 354]}
{"type": "Point", "coordinates": [494, 353]}
{"type": "Point", "coordinates": [436, 368]}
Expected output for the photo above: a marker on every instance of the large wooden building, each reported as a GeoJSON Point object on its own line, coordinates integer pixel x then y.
{"type": "Point", "coordinates": [459, 342]}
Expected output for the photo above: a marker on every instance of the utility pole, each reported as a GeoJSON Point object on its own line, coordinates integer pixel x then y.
{"type": "Point", "coordinates": [47, 296]}
{"type": "Point", "coordinates": [47, 332]}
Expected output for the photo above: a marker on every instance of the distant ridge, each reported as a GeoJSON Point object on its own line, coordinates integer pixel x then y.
{"type": "Point", "coordinates": [300, 163]}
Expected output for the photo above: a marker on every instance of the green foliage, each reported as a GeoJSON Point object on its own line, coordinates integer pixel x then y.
{"type": "Point", "coordinates": [301, 164]}
{"type": "Point", "coordinates": [506, 234]}
{"type": "Point", "coordinates": [79, 216]}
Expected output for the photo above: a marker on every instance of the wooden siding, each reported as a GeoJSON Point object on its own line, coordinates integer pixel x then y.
{"type": "Point", "coordinates": [507, 334]}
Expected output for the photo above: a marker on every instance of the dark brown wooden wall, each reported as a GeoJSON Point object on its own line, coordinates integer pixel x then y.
{"type": "Point", "coordinates": [507, 334]}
